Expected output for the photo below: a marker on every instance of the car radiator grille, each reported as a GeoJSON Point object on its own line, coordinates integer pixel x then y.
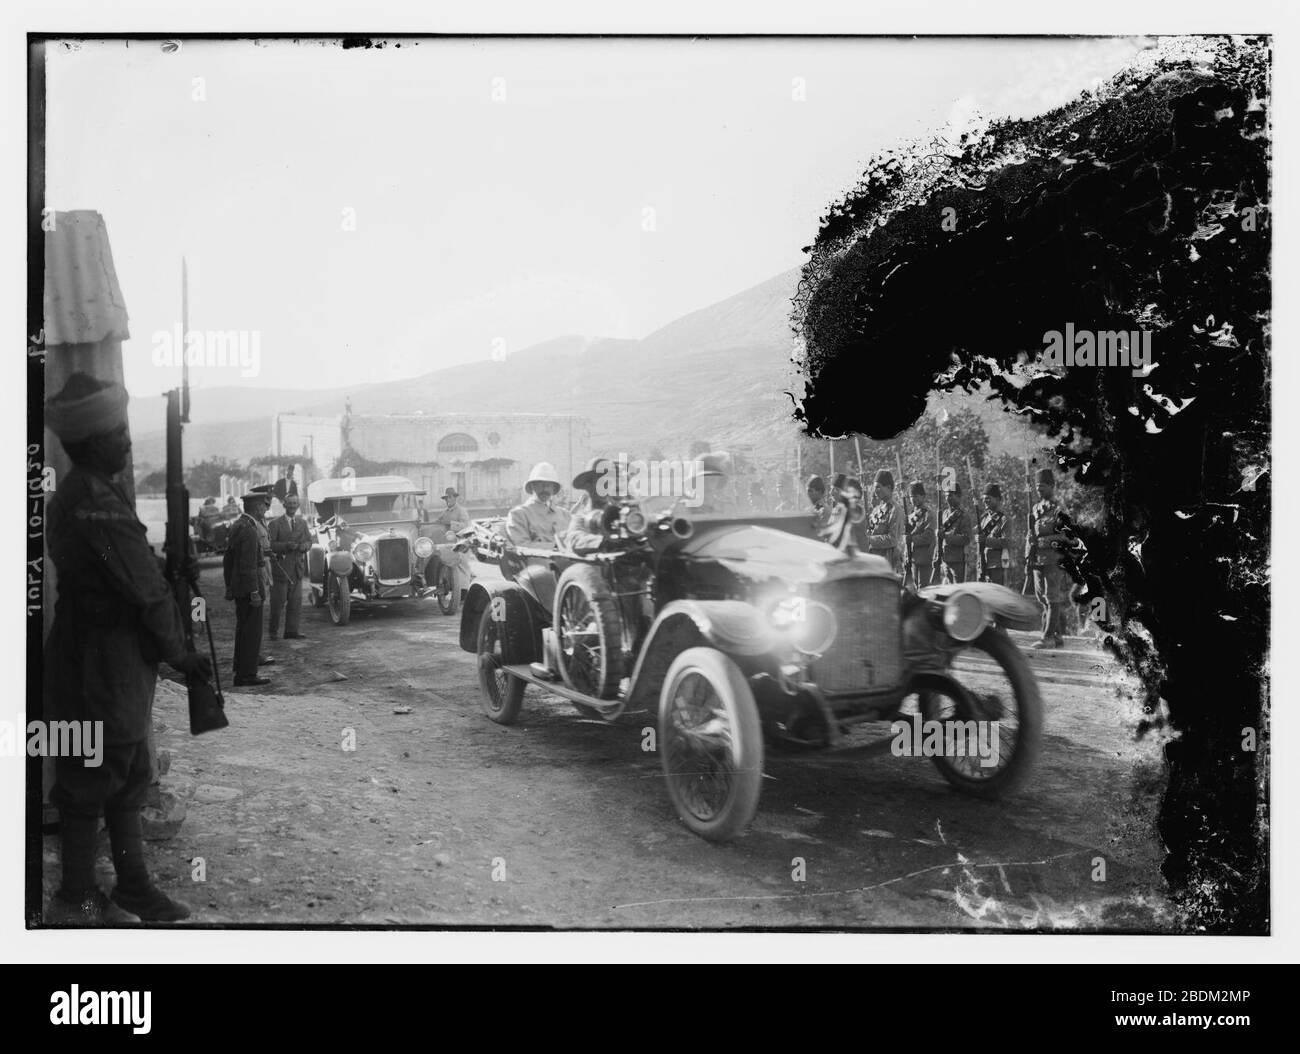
{"type": "Point", "coordinates": [866, 652]}
{"type": "Point", "coordinates": [394, 558]}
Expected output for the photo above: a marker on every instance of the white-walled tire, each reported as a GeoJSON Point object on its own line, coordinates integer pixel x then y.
{"type": "Point", "coordinates": [710, 743]}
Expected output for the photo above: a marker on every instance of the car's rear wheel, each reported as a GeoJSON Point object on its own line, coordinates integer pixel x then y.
{"type": "Point", "coordinates": [502, 695]}
{"type": "Point", "coordinates": [1000, 696]}
{"type": "Point", "coordinates": [711, 743]}
{"type": "Point", "coordinates": [338, 598]}
{"type": "Point", "coordinates": [589, 632]}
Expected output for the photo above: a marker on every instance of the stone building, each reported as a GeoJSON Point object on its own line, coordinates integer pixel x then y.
{"type": "Point", "coordinates": [485, 456]}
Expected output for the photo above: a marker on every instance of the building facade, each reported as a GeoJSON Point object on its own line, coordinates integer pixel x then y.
{"type": "Point", "coordinates": [486, 457]}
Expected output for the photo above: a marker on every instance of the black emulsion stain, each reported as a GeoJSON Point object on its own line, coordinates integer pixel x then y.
{"type": "Point", "coordinates": [1141, 207]}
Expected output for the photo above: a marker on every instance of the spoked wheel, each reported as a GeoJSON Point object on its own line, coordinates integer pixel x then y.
{"type": "Point", "coordinates": [446, 590]}
{"type": "Point", "coordinates": [997, 717]}
{"type": "Point", "coordinates": [338, 598]}
{"type": "Point", "coordinates": [711, 742]}
{"type": "Point", "coordinates": [502, 695]}
{"type": "Point", "coordinates": [589, 631]}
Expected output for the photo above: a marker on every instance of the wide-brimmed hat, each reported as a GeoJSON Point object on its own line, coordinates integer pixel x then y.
{"type": "Point", "coordinates": [543, 472]}
{"type": "Point", "coordinates": [450, 492]}
{"type": "Point", "coordinates": [597, 466]}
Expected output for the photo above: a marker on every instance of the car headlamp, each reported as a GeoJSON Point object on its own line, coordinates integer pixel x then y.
{"type": "Point", "coordinates": [634, 521]}
{"type": "Point", "coordinates": [423, 547]}
{"type": "Point", "coordinates": [964, 616]}
{"type": "Point", "coordinates": [363, 552]}
{"type": "Point", "coordinates": [809, 625]}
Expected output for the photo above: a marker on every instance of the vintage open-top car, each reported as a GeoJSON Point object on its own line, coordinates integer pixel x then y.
{"type": "Point", "coordinates": [739, 631]}
{"type": "Point", "coordinates": [371, 544]}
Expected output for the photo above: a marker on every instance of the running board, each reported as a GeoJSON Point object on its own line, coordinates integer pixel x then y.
{"type": "Point", "coordinates": [524, 673]}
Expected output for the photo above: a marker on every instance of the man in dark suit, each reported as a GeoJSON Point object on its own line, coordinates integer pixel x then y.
{"type": "Point", "coordinates": [290, 541]}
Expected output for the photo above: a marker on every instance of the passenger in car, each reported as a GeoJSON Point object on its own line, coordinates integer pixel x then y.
{"type": "Point", "coordinates": [536, 522]}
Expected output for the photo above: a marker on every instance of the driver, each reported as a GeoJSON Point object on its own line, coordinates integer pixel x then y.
{"type": "Point", "coordinates": [455, 517]}
{"type": "Point", "coordinates": [536, 522]}
{"type": "Point", "coordinates": [598, 485]}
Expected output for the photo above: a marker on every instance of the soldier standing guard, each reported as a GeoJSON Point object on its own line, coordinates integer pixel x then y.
{"type": "Point", "coordinates": [885, 524]}
{"type": "Point", "coordinates": [248, 577]}
{"type": "Point", "coordinates": [114, 620]}
{"type": "Point", "coordinates": [920, 537]}
{"type": "Point", "coordinates": [993, 543]}
{"type": "Point", "coordinates": [954, 533]}
{"type": "Point", "coordinates": [1051, 584]}
{"type": "Point", "coordinates": [290, 541]}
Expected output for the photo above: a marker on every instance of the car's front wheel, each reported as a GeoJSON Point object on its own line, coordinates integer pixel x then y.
{"type": "Point", "coordinates": [446, 590]}
{"type": "Point", "coordinates": [711, 743]}
{"type": "Point", "coordinates": [338, 598]}
{"type": "Point", "coordinates": [996, 723]}
{"type": "Point", "coordinates": [502, 695]}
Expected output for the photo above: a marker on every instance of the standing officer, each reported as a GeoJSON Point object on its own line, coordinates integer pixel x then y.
{"type": "Point", "coordinates": [885, 525]}
{"type": "Point", "coordinates": [1051, 584]}
{"type": "Point", "coordinates": [290, 541]}
{"type": "Point", "coordinates": [247, 583]}
{"type": "Point", "coordinates": [954, 533]}
{"type": "Point", "coordinates": [115, 618]}
{"type": "Point", "coordinates": [993, 544]}
{"type": "Point", "coordinates": [920, 537]}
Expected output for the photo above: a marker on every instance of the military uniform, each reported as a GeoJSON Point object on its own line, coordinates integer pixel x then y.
{"type": "Point", "coordinates": [248, 583]}
{"type": "Point", "coordinates": [115, 619]}
{"type": "Point", "coordinates": [1051, 583]}
{"type": "Point", "coordinates": [920, 543]}
{"type": "Point", "coordinates": [535, 523]}
{"type": "Point", "coordinates": [885, 534]}
{"type": "Point", "coordinates": [289, 541]}
{"type": "Point", "coordinates": [954, 533]}
{"type": "Point", "coordinates": [992, 529]}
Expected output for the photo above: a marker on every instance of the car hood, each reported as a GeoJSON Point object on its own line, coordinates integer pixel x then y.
{"type": "Point", "coordinates": [370, 532]}
{"type": "Point", "coordinates": [757, 552]}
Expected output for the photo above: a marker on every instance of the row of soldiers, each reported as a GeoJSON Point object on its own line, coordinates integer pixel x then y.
{"type": "Point", "coordinates": [929, 547]}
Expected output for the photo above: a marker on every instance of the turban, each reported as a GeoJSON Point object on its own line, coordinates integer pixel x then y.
{"type": "Point", "coordinates": [884, 478]}
{"type": "Point", "coordinates": [84, 408]}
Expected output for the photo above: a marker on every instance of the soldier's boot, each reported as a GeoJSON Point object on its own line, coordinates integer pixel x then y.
{"type": "Point", "coordinates": [135, 892]}
{"type": "Point", "coordinates": [1058, 624]}
{"type": "Point", "coordinates": [79, 900]}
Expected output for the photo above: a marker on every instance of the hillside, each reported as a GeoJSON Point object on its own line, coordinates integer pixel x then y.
{"type": "Point", "coordinates": [717, 374]}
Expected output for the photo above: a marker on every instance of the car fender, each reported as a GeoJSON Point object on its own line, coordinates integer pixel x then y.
{"type": "Point", "coordinates": [340, 562]}
{"type": "Point", "coordinates": [523, 634]}
{"type": "Point", "coordinates": [1007, 608]}
{"type": "Point", "coordinates": [732, 626]}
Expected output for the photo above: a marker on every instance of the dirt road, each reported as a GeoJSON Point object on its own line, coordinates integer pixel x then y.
{"type": "Point", "coordinates": [437, 816]}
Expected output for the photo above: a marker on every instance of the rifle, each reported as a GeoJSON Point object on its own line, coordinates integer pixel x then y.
{"type": "Point", "coordinates": [207, 708]}
{"type": "Point", "coordinates": [979, 533]}
{"type": "Point", "coordinates": [1029, 530]}
{"type": "Point", "coordinates": [909, 567]}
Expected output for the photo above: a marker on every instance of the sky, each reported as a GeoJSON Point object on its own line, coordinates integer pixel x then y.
{"type": "Point", "coordinates": [375, 214]}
